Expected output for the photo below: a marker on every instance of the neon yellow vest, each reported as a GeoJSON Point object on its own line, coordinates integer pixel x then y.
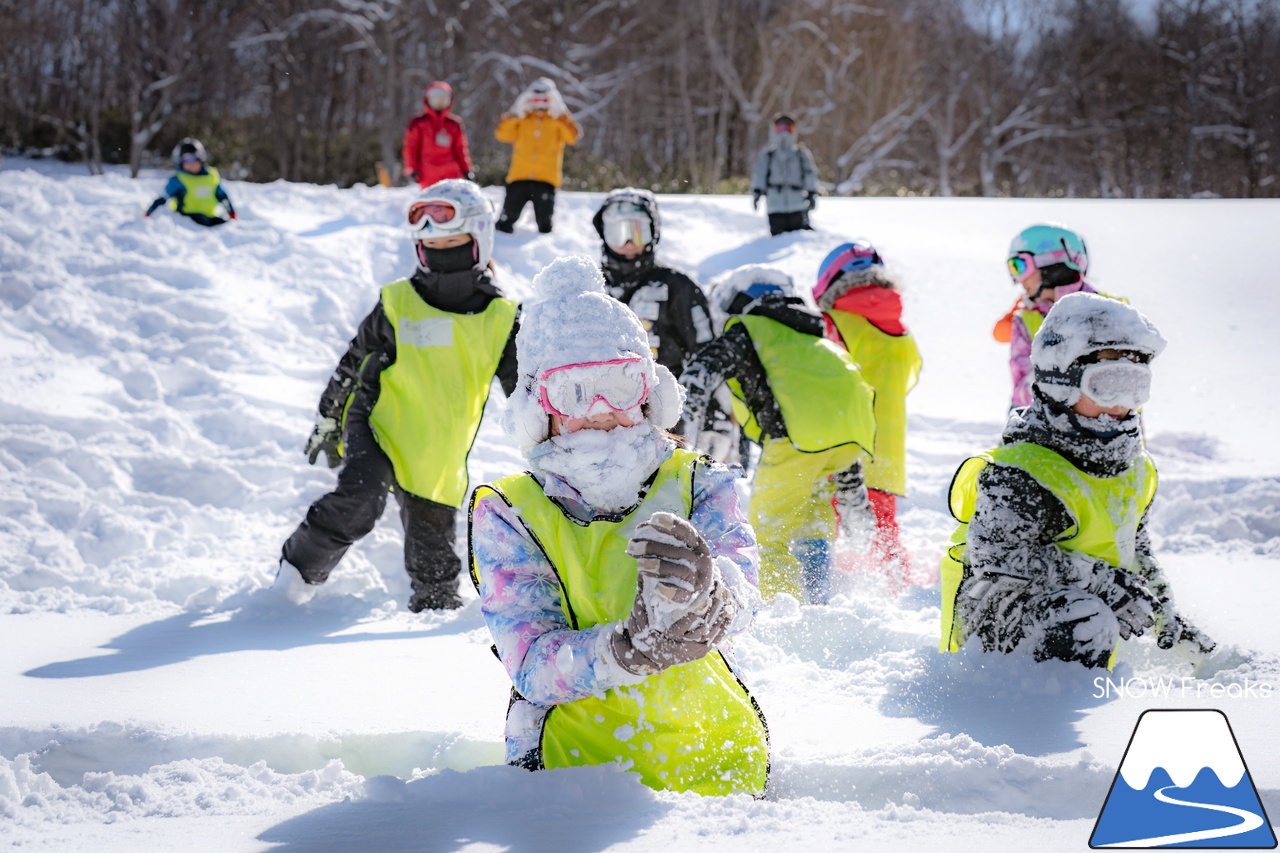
{"type": "Point", "coordinates": [824, 401]}
{"type": "Point", "coordinates": [200, 196]}
{"type": "Point", "coordinates": [1105, 512]}
{"type": "Point", "coordinates": [891, 365]}
{"type": "Point", "coordinates": [692, 727]}
{"type": "Point", "coordinates": [429, 408]}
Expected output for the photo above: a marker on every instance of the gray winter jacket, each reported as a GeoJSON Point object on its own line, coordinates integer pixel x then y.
{"type": "Point", "coordinates": [785, 174]}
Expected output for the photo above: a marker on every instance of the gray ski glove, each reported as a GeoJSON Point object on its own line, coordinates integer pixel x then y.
{"type": "Point", "coordinates": [853, 508]}
{"type": "Point", "coordinates": [642, 649]}
{"type": "Point", "coordinates": [1127, 595]}
{"type": "Point", "coordinates": [810, 200]}
{"type": "Point", "coordinates": [755, 200]}
{"type": "Point", "coordinates": [325, 437]}
{"type": "Point", "coordinates": [675, 563]}
{"type": "Point", "coordinates": [1175, 630]}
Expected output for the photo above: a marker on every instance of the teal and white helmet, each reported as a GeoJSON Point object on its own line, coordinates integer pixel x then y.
{"type": "Point", "coordinates": [446, 208]}
{"type": "Point", "coordinates": [1046, 244]}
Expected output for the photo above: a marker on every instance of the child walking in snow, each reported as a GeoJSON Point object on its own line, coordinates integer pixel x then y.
{"type": "Point", "coordinates": [612, 573]}
{"type": "Point", "coordinates": [801, 398]}
{"type": "Point", "coordinates": [195, 190]}
{"type": "Point", "coordinates": [1053, 556]}
{"type": "Point", "coordinates": [538, 127]}
{"type": "Point", "coordinates": [1048, 261]}
{"type": "Point", "coordinates": [861, 301]}
{"type": "Point", "coordinates": [405, 402]}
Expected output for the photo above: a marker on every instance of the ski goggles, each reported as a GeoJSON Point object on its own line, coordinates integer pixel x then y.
{"type": "Point", "coordinates": [190, 158]}
{"type": "Point", "coordinates": [573, 390]}
{"type": "Point", "coordinates": [784, 126]}
{"type": "Point", "coordinates": [1117, 383]}
{"type": "Point", "coordinates": [736, 300]}
{"type": "Point", "coordinates": [437, 99]}
{"type": "Point", "coordinates": [1023, 264]}
{"type": "Point", "coordinates": [619, 231]}
{"type": "Point", "coordinates": [440, 212]}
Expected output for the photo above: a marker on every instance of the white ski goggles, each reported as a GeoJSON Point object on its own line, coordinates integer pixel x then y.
{"type": "Point", "coordinates": [1117, 383]}
{"type": "Point", "coordinates": [574, 390]}
{"type": "Point", "coordinates": [619, 231]}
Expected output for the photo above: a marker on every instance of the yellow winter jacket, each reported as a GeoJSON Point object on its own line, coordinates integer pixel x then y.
{"type": "Point", "coordinates": [539, 141]}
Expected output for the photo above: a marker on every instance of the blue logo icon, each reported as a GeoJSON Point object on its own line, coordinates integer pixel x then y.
{"type": "Point", "coordinates": [1183, 783]}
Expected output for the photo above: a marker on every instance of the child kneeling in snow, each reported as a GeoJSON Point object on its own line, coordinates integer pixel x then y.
{"type": "Point", "coordinates": [1053, 555]}
{"type": "Point", "coordinates": [802, 399]}
{"type": "Point", "coordinates": [613, 571]}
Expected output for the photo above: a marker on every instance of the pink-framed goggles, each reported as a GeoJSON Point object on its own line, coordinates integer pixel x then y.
{"type": "Point", "coordinates": [573, 390]}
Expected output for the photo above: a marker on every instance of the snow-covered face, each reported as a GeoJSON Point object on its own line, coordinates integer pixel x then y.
{"type": "Point", "coordinates": [601, 420]}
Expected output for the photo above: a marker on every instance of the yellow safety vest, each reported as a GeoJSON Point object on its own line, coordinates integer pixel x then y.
{"type": "Point", "coordinates": [891, 365]}
{"type": "Point", "coordinates": [431, 400]}
{"type": "Point", "coordinates": [200, 196]}
{"type": "Point", "coordinates": [824, 401]}
{"type": "Point", "coordinates": [1105, 512]}
{"type": "Point", "coordinates": [691, 727]}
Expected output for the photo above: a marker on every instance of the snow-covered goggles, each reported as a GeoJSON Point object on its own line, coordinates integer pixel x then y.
{"type": "Point", "coordinates": [1117, 383]}
{"type": "Point", "coordinates": [736, 300]}
{"type": "Point", "coordinates": [573, 390]}
{"type": "Point", "coordinates": [619, 231]}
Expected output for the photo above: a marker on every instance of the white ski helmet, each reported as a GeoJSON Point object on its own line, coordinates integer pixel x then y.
{"type": "Point", "coordinates": [737, 290]}
{"type": "Point", "coordinates": [1080, 325]}
{"type": "Point", "coordinates": [451, 207]}
{"type": "Point", "coordinates": [189, 146]}
{"type": "Point", "coordinates": [1046, 244]}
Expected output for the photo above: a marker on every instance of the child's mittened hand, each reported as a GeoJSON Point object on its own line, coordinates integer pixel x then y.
{"type": "Point", "coordinates": [672, 553]}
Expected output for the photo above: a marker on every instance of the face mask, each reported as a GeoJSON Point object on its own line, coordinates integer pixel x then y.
{"type": "Point", "coordinates": [456, 259]}
{"type": "Point", "coordinates": [1117, 383]}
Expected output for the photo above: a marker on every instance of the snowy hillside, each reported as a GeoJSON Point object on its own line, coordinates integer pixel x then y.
{"type": "Point", "coordinates": [160, 379]}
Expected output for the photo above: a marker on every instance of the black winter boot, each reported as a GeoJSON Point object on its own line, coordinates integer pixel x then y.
{"type": "Point", "coordinates": [435, 596]}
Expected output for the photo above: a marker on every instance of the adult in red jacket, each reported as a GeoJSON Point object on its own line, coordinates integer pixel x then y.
{"type": "Point", "coordinates": [435, 143]}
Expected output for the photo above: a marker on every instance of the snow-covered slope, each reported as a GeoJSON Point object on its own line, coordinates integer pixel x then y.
{"type": "Point", "coordinates": [159, 380]}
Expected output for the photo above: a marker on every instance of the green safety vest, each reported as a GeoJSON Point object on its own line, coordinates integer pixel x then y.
{"type": "Point", "coordinates": [691, 727]}
{"type": "Point", "coordinates": [824, 401]}
{"type": "Point", "coordinates": [200, 196]}
{"type": "Point", "coordinates": [891, 365]}
{"type": "Point", "coordinates": [1105, 512]}
{"type": "Point", "coordinates": [431, 399]}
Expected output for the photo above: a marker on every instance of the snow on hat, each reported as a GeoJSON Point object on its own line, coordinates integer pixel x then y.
{"type": "Point", "coordinates": [1078, 325]}
{"type": "Point", "coordinates": [571, 320]}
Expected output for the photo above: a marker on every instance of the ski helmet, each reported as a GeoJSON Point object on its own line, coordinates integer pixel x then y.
{"type": "Point", "coordinates": [438, 96]}
{"type": "Point", "coordinates": [1079, 326]}
{"type": "Point", "coordinates": [1044, 245]}
{"type": "Point", "coordinates": [189, 147]}
{"type": "Point", "coordinates": [629, 204]}
{"type": "Point", "coordinates": [738, 290]}
{"type": "Point", "coordinates": [851, 257]}
{"type": "Point", "coordinates": [447, 208]}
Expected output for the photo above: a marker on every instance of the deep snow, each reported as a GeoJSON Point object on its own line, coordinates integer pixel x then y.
{"type": "Point", "coordinates": [160, 380]}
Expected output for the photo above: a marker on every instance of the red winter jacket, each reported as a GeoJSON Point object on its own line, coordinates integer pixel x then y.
{"type": "Point", "coordinates": [435, 146]}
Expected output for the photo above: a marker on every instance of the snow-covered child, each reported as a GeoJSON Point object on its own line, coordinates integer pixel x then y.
{"type": "Point", "coordinates": [612, 573]}
{"type": "Point", "coordinates": [195, 190]}
{"type": "Point", "coordinates": [1048, 261]}
{"type": "Point", "coordinates": [406, 400]}
{"type": "Point", "coordinates": [861, 301]}
{"type": "Point", "coordinates": [802, 399]}
{"type": "Point", "coordinates": [1053, 555]}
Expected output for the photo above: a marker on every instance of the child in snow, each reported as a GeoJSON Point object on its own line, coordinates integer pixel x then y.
{"type": "Point", "coordinates": [613, 571]}
{"type": "Point", "coordinates": [786, 177]}
{"type": "Point", "coordinates": [1053, 556]}
{"type": "Point", "coordinates": [671, 306]}
{"type": "Point", "coordinates": [405, 402]}
{"type": "Point", "coordinates": [801, 398]}
{"type": "Point", "coordinates": [538, 127]}
{"type": "Point", "coordinates": [435, 142]}
{"type": "Point", "coordinates": [195, 190]}
{"type": "Point", "coordinates": [861, 303]}
{"type": "Point", "coordinates": [1049, 261]}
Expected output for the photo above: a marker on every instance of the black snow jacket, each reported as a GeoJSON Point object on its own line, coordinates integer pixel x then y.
{"type": "Point", "coordinates": [373, 349]}
{"type": "Point", "coordinates": [733, 356]}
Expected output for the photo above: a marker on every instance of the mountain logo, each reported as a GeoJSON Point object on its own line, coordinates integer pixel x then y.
{"type": "Point", "coordinates": [1182, 783]}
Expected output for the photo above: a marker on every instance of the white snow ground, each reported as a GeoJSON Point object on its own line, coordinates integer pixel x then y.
{"type": "Point", "coordinates": [159, 380]}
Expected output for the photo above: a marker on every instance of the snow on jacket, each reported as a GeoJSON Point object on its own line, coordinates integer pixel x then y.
{"type": "Point", "coordinates": [785, 173]}
{"type": "Point", "coordinates": [1020, 341]}
{"type": "Point", "coordinates": [671, 307]}
{"type": "Point", "coordinates": [538, 140]}
{"type": "Point", "coordinates": [435, 146]}
{"type": "Point", "coordinates": [373, 349]}
{"type": "Point", "coordinates": [549, 662]}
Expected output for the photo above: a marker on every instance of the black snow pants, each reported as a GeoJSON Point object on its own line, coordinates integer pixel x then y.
{"type": "Point", "coordinates": [351, 510]}
{"type": "Point", "coordinates": [781, 223]}
{"type": "Point", "coordinates": [520, 193]}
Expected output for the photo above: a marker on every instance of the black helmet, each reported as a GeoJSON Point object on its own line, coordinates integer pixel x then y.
{"type": "Point", "coordinates": [189, 146]}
